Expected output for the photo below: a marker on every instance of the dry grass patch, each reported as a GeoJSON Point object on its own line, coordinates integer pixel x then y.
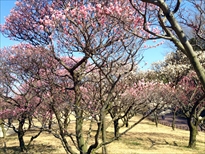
{"type": "Point", "coordinates": [145, 138]}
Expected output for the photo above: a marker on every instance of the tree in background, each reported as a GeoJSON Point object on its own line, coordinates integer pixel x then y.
{"type": "Point", "coordinates": [168, 16]}
{"type": "Point", "coordinates": [20, 99]}
{"type": "Point", "coordinates": [191, 103]}
{"type": "Point", "coordinates": [194, 22]}
{"type": "Point", "coordinates": [68, 28]}
{"type": "Point", "coordinates": [189, 94]}
{"type": "Point", "coordinates": [150, 97]}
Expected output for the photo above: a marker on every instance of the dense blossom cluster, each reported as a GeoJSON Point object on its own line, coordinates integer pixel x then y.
{"type": "Point", "coordinates": [42, 20]}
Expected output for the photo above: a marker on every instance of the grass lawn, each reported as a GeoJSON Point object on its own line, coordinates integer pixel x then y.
{"type": "Point", "coordinates": [145, 138]}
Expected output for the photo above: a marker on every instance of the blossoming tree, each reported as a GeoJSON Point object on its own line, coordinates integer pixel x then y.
{"type": "Point", "coordinates": [88, 30]}
{"type": "Point", "coordinates": [20, 98]}
{"type": "Point", "coordinates": [189, 93]}
{"type": "Point", "coordinates": [191, 99]}
{"type": "Point", "coordinates": [169, 17]}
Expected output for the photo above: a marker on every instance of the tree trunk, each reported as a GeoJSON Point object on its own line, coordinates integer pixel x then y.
{"type": "Point", "coordinates": [66, 120]}
{"type": "Point", "coordinates": [50, 121]}
{"type": "Point", "coordinates": [64, 142]}
{"type": "Point", "coordinates": [82, 146]}
{"type": "Point", "coordinates": [104, 137]}
{"type": "Point", "coordinates": [173, 120]}
{"type": "Point", "coordinates": [9, 121]}
{"type": "Point", "coordinates": [126, 122]}
{"type": "Point", "coordinates": [3, 132]}
{"type": "Point", "coordinates": [156, 119]}
{"type": "Point", "coordinates": [21, 135]}
{"type": "Point", "coordinates": [116, 127]}
{"type": "Point", "coordinates": [79, 131]}
{"type": "Point", "coordinates": [192, 134]}
{"type": "Point", "coordinates": [29, 122]}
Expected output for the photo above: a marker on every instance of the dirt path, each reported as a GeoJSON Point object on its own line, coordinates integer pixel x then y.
{"type": "Point", "coordinates": [180, 122]}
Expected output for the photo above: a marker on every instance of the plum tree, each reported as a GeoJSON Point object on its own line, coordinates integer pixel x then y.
{"type": "Point", "coordinates": [87, 29]}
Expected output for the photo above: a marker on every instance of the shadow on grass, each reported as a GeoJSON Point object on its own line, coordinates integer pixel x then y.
{"type": "Point", "coordinates": [33, 149]}
{"type": "Point", "coordinates": [148, 123]}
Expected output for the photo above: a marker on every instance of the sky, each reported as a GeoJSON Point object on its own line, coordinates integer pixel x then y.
{"type": "Point", "coordinates": [5, 7]}
{"type": "Point", "coordinates": [150, 55]}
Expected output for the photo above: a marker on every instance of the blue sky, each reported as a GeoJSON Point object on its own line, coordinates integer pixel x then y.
{"type": "Point", "coordinates": [5, 7]}
{"type": "Point", "coordinates": [150, 55]}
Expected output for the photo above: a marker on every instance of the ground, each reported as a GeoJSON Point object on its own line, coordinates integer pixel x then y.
{"type": "Point", "coordinates": [145, 138]}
